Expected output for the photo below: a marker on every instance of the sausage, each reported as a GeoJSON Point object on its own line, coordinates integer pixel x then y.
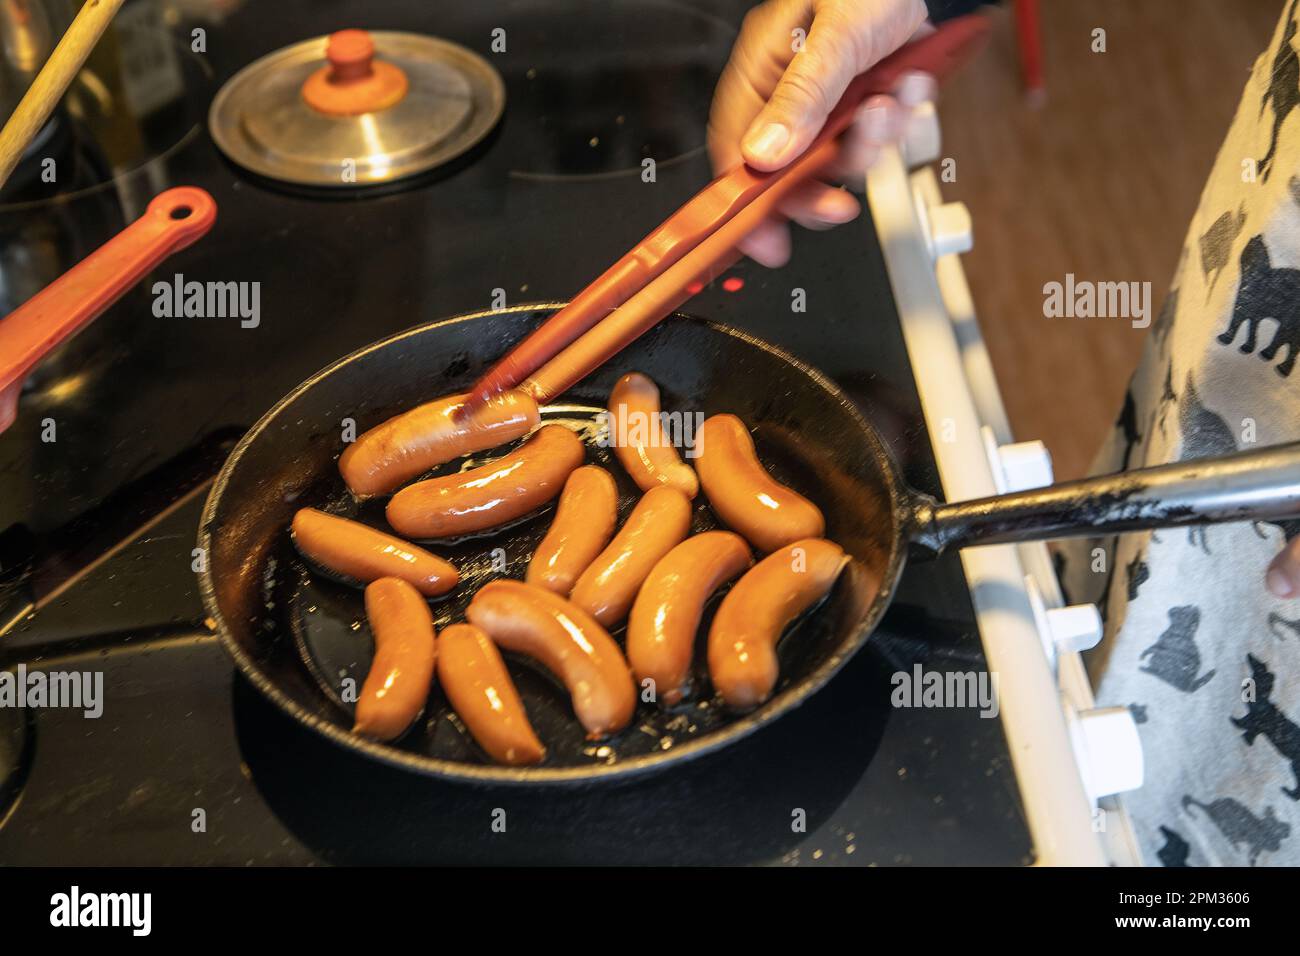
{"type": "Point", "coordinates": [742, 639]}
{"type": "Point", "coordinates": [744, 495]}
{"type": "Point", "coordinates": [475, 680]}
{"type": "Point", "coordinates": [492, 494]}
{"type": "Point", "coordinates": [358, 551]}
{"type": "Point", "coordinates": [407, 445]}
{"type": "Point", "coordinates": [656, 525]}
{"type": "Point", "coordinates": [666, 615]}
{"type": "Point", "coordinates": [536, 623]}
{"type": "Point", "coordinates": [638, 438]}
{"type": "Point", "coordinates": [402, 669]}
{"type": "Point", "coordinates": [584, 522]}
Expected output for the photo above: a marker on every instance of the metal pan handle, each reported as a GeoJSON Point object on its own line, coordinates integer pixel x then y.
{"type": "Point", "coordinates": [1255, 485]}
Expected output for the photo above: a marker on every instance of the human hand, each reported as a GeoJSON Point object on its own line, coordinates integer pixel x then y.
{"type": "Point", "coordinates": [1283, 577]}
{"type": "Point", "coordinates": [771, 101]}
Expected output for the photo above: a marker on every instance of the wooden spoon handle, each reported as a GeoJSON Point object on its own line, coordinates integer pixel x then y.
{"type": "Point", "coordinates": [53, 80]}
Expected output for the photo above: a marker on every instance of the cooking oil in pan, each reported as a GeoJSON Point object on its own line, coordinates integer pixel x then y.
{"type": "Point", "coordinates": [325, 617]}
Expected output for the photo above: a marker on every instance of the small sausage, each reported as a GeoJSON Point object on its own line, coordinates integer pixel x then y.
{"type": "Point", "coordinates": [656, 525]}
{"type": "Point", "coordinates": [666, 615]}
{"type": "Point", "coordinates": [475, 680]}
{"type": "Point", "coordinates": [744, 495]}
{"type": "Point", "coordinates": [638, 437]}
{"type": "Point", "coordinates": [492, 494]}
{"type": "Point", "coordinates": [402, 669]}
{"type": "Point", "coordinates": [566, 641]}
{"type": "Point", "coordinates": [407, 445]}
{"type": "Point", "coordinates": [584, 522]}
{"type": "Point", "coordinates": [358, 551]}
{"type": "Point", "coordinates": [742, 640]}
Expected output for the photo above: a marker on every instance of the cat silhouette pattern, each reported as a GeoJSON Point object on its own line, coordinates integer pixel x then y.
{"type": "Point", "coordinates": [1264, 718]}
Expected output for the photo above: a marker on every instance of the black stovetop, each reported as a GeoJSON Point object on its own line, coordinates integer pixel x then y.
{"type": "Point", "coordinates": [96, 528]}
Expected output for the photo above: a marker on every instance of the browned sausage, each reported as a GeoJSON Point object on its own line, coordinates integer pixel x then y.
{"type": "Point", "coordinates": [666, 615]}
{"type": "Point", "coordinates": [360, 552]}
{"type": "Point", "coordinates": [656, 525]}
{"type": "Point", "coordinates": [475, 680]}
{"type": "Point", "coordinates": [566, 641]}
{"type": "Point", "coordinates": [407, 445]}
{"type": "Point", "coordinates": [742, 640]}
{"type": "Point", "coordinates": [492, 494]}
{"type": "Point", "coordinates": [744, 495]}
{"type": "Point", "coordinates": [402, 669]}
{"type": "Point", "coordinates": [584, 521]}
{"type": "Point", "coordinates": [638, 438]}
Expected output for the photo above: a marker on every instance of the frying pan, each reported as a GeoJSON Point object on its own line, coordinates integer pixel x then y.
{"type": "Point", "coordinates": [295, 634]}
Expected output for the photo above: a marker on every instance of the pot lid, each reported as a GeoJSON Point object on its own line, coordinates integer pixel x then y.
{"type": "Point", "coordinates": [356, 108]}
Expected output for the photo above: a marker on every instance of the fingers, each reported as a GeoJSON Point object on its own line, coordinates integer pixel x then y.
{"type": "Point", "coordinates": [819, 206]}
{"type": "Point", "coordinates": [769, 244]}
{"type": "Point", "coordinates": [915, 88]}
{"type": "Point", "coordinates": [771, 102]}
{"type": "Point", "coordinates": [845, 39]}
{"type": "Point", "coordinates": [758, 59]}
{"type": "Point", "coordinates": [813, 206]}
{"type": "Point", "coordinates": [1283, 577]}
{"type": "Point", "coordinates": [809, 88]}
{"type": "Point", "coordinates": [879, 121]}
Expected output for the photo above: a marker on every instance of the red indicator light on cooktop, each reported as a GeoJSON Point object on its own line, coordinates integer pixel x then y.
{"type": "Point", "coordinates": [733, 283]}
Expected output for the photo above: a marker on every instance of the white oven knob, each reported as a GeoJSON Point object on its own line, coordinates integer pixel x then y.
{"type": "Point", "coordinates": [1075, 628]}
{"type": "Point", "coordinates": [1112, 751]}
{"type": "Point", "coordinates": [950, 229]}
{"type": "Point", "coordinates": [1025, 464]}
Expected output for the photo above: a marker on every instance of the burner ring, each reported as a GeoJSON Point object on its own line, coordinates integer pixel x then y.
{"type": "Point", "coordinates": [17, 749]}
{"type": "Point", "coordinates": [589, 103]}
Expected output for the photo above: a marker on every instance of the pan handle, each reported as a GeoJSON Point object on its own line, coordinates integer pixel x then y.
{"type": "Point", "coordinates": [173, 220]}
{"type": "Point", "coordinates": [1254, 485]}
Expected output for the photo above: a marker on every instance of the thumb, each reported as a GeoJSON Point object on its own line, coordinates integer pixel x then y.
{"type": "Point", "coordinates": [842, 43]}
{"type": "Point", "coordinates": [797, 109]}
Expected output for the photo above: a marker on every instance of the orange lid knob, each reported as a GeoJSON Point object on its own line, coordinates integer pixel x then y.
{"type": "Point", "coordinates": [354, 82]}
{"type": "Point", "coordinates": [350, 53]}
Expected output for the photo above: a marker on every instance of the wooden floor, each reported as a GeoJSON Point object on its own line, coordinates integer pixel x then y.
{"type": "Point", "coordinates": [1100, 181]}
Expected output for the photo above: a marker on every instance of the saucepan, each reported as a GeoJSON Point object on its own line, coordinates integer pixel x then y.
{"type": "Point", "coordinates": [297, 636]}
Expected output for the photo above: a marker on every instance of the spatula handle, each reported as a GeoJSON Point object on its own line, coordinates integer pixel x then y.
{"type": "Point", "coordinates": [172, 221]}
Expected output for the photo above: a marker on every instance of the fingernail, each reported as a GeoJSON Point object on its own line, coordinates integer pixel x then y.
{"type": "Point", "coordinates": [875, 124]}
{"type": "Point", "coordinates": [914, 89]}
{"type": "Point", "coordinates": [836, 206]}
{"type": "Point", "coordinates": [1279, 584]}
{"type": "Point", "coordinates": [768, 142]}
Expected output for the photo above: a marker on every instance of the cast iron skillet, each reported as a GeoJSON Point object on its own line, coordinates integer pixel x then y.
{"type": "Point", "coordinates": [297, 636]}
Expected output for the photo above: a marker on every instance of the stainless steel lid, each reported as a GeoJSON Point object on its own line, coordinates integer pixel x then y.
{"type": "Point", "coordinates": [323, 113]}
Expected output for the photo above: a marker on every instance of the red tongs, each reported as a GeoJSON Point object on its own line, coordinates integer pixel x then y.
{"type": "Point", "coordinates": [698, 242]}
